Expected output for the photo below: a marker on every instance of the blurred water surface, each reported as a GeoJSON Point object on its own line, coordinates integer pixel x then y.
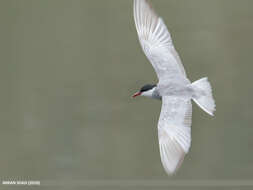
{"type": "Point", "coordinates": [68, 69]}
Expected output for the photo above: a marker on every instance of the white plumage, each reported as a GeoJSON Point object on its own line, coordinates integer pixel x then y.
{"type": "Point", "coordinates": [175, 89]}
{"type": "Point", "coordinates": [174, 131]}
{"type": "Point", "coordinates": [156, 41]}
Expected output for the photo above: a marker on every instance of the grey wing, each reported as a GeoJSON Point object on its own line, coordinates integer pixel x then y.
{"type": "Point", "coordinates": [156, 41]}
{"type": "Point", "coordinates": [174, 131]}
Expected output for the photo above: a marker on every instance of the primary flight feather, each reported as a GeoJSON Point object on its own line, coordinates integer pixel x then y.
{"type": "Point", "coordinates": [174, 88]}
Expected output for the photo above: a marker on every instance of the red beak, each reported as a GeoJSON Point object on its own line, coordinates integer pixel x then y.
{"type": "Point", "coordinates": [136, 94]}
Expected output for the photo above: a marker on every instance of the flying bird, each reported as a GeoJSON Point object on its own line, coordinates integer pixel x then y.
{"type": "Point", "coordinates": [174, 88]}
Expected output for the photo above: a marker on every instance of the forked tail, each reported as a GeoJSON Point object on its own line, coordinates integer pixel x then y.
{"type": "Point", "coordinates": [203, 95]}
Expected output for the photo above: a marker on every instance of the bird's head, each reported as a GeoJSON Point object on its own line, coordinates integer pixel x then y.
{"type": "Point", "coordinates": [147, 90]}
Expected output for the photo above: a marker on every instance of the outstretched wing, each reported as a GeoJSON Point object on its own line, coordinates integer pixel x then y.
{"type": "Point", "coordinates": [156, 41]}
{"type": "Point", "coordinates": [174, 131]}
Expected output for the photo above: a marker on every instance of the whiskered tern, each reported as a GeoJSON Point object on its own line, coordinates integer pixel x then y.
{"type": "Point", "coordinates": [174, 88]}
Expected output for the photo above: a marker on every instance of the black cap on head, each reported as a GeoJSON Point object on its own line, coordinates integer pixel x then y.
{"type": "Point", "coordinates": [147, 87]}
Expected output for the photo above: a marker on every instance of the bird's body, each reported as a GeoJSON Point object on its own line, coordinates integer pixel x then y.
{"type": "Point", "coordinates": [174, 88]}
{"type": "Point", "coordinates": [179, 88]}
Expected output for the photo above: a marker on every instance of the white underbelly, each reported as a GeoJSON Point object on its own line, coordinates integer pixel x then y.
{"type": "Point", "coordinates": [178, 90]}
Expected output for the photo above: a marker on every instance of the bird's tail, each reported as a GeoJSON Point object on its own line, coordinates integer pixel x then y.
{"type": "Point", "coordinates": [203, 95]}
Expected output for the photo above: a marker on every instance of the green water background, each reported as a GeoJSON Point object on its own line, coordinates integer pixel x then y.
{"type": "Point", "coordinates": [68, 69]}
